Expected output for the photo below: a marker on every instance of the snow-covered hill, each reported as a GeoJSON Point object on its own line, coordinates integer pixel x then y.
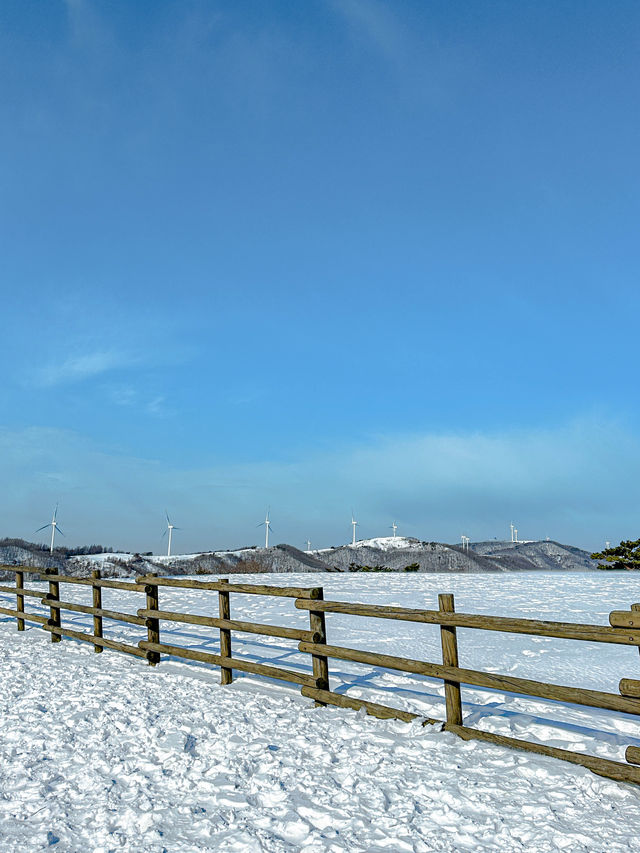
{"type": "Point", "coordinates": [387, 553]}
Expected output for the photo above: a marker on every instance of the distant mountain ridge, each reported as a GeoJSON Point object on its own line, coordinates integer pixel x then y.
{"type": "Point", "coordinates": [394, 554]}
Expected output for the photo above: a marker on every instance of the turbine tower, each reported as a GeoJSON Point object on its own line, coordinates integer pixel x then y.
{"type": "Point", "coordinates": [354, 524]}
{"type": "Point", "coordinates": [308, 544]}
{"type": "Point", "coordinates": [394, 527]}
{"type": "Point", "coordinates": [169, 530]}
{"type": "Point", "coordinates": [266, 524]}
{"type": "Point", "coordinates": [512, 529]}
{"type": "Point", "coordinates": [53, 524]}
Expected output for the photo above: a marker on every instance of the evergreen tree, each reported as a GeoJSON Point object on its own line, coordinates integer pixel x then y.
{"type": "Point", "coordinates": [626, 555]}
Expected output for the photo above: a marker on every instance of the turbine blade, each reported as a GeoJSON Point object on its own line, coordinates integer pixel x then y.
{"type": "Point", "coordinates": [44, 526]}
{"type": "Point", "coordinates": [59, 531]}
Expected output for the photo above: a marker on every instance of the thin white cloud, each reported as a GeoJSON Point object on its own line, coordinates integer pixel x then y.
{"type": "Point", "coordinates": [156, 406]}
{"type": "Point", "coordinates": [83, 366]}
{"type": "Point", "coordinates": [376, 23]}
{"type": "Point", "coordinates": [576, 483]}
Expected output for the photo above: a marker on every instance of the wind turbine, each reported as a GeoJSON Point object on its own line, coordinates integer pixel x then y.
{"type": "Point", "coordinates": [394, 527]}
{"type": "Point", "coordinates": [266, 524]}
{"type": "Point", "coordinates": [308, 544]}
{"type": "Point", "coordinates": [355, 524]}
{"type": "Point", "coordinates": [53, 524]}
{"type": "Point", "coordinates": [512, 529]}
{"type": "Point", "coordinates": [170, 529]}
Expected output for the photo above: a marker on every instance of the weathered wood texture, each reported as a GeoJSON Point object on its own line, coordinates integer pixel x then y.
{"type": "Point", "coordinates": [54, 595]}
{"type": "Point", "coordinates": [602, 766]}
{"type": "Point", "coordinates": [28, 617]}
{"type": "Point", "coordinates": [320, 662]}
{"type": "Point", "coordinates": [31, 593]}
{"type": "Point", "coordinates": [20, 599]}
{"type": "Point", "coordinates": [105, 583]}
{"type": "Point", "coordinates": [633, 755]}
{"type": "Point", "coordinates": [97, 610]}
{"type": "Point", "coordinates": [224, 608]}
{"type": "Point", "coordinates": [383, 712]}
{"type": "Point", "coordinates": [630, 687]}
{"type": "Point", "coordinates": [449, 643]}
{"type": "Point", "coordinates": [153, 625]}
{"type": "Point", "coordinates": [625, 619]}
{"type": "Point", "coordinates": [534, 627]}
{"type": "Point", "coordinates": [24, 569]}
{"type": "Point", "coordinates": [231, 625]}
{"type": "Point", "coordinates": [247, 588]}
{"type": "Point", "coordinates": [230, 663]}
{"type": "Point", "coordinates": [502, 683]}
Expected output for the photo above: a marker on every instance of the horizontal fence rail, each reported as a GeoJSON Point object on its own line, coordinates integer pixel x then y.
{"type": "Point", "coordinates": [508, 683]}
{"type": "Point", "coordinates": [116, 615]}
{"type": "Point", "coordinates": [225, 586]}
{"type": "Point", "coordinates": [533, 627]}
{"type": "Point", "coordinates": [232, 625]}
{"type": "Point", "coordinates": [231, 663]}
{"type": "Point", "coordinates": [624, 629]}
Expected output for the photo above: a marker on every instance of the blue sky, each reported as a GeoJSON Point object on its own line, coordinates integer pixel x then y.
{"type": "Point", "coordinates": [319, 256]}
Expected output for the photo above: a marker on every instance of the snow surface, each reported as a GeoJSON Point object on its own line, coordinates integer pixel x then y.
{"type": "Point", "coordinates": [384, 543]}
{"type": "Point", "coordinates": [104, 753]}
{"type": "Point", "coordinates": [101, 558]}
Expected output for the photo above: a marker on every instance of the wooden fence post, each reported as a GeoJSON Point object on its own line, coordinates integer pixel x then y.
{"type": "Point", "coordinates": [224, 603]}
{"type": "Point", "coordinates": [450, 658]}
{"type": "Point", "coordinates": [97, 602]}
{"type": "Point", "coordinates": [153, 624]}
{"type": "Point", "coordinates": [320, 663]}
{"type": "Point", "coordinates": [56, 613]}
{"type": "Point", "coordinates": [20, 598]}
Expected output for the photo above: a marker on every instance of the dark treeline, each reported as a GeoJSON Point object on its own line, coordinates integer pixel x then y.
{"type": "Point", "coordinates": [59, 552]}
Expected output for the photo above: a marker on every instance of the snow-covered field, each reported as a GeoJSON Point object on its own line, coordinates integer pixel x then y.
{"type": "Point", "coordinates": [103, 753]}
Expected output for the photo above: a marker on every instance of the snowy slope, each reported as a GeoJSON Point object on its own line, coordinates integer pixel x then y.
{"type": "Point", "coordinates": [119, 741]}
{"type": "Point", "coordinates": [394, 553]}
{"type": "Point", "coordinates": [106, 753]}
{"type": "Point", "coordinates": [383, 543]}
{"type": "Point", "coordinates": [100, 753]}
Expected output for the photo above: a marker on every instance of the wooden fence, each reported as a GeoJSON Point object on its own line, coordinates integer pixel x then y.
{"type": "Point", "coordinates": [624, 629]}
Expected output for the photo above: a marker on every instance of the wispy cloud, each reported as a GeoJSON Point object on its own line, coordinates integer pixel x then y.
{"type": "Point", "coordinates": [141, 400]}
{"type": "Point", "coordinates": [376, 23]}
{"type": "Point", "coordinates": [575, 483]}
{"type": "Point", "coordinates": [426, 70]}
{"type": "Point", "coordinates": [156, 406]}
{"type": "Point", "coordinates": [82, 366]}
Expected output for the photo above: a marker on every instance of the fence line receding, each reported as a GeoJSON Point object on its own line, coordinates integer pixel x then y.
{"type": "Point", "coordinates": [624, 629]}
